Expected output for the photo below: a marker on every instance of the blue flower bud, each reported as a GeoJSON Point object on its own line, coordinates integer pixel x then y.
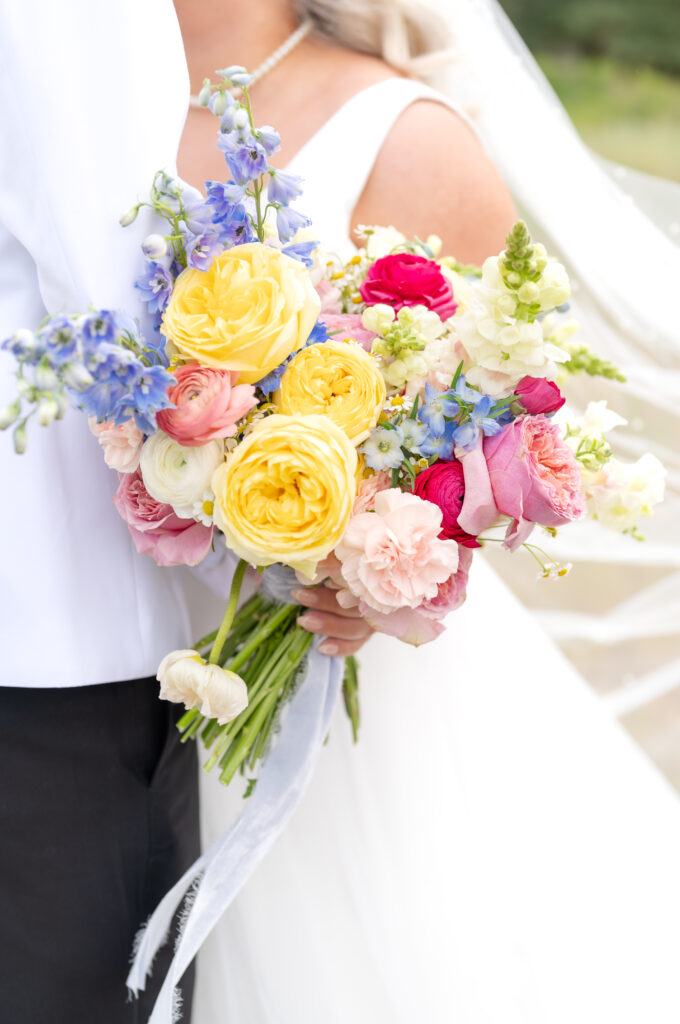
{"type": "Point", "coordinates": [219, 102]}
{"type": "Point", "coordinates": [242, 80]}
{"type": "Point", "coordinates": [78, 377]}
{"type": "Point", "coordinates": [45, 377]}
{"type": "Point", "coordinates": [233, 69]}
{"type": "Point", "coordinates": [204, 94]}
{"type": "Point", "coordinates": [154, 247]}
{"type": "Point", "coordinates": [269, 137]}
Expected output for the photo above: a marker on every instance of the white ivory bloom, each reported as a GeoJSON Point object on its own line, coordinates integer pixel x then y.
{"type": "Point", "coordinates": [620, 494]}
{"type": "Point", "coordinates": [187, 679]}
{"type": "Point", "coordinates": [177, 475]}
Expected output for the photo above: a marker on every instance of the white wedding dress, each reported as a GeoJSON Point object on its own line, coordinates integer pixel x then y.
{"type": "Point", "coordinates": [494, 850]}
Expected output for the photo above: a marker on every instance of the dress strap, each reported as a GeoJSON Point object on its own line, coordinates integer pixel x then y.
{"type": "Point", "coordinates": [339, 158]}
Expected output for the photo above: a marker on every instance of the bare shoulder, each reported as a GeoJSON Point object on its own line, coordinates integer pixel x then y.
{"type": "Point", "coordinates": [433, 176]}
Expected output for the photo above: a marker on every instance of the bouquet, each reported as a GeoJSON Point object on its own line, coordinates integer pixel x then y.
{"type": "Point", "coordinates": [365, 424]}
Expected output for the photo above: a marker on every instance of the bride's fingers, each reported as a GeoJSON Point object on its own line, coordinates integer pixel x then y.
{"type": "Point", "coordinates": [335, 627]}
{"type": "Point", "coordinates": [324, 600]}
{"type": "Point", "coordinates": [341, 648]}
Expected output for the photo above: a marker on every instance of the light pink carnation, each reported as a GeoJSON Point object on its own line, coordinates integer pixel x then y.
{"type": "Point", "coordinates": [348, 325]}
{"type": "Point", "coordinates": [208, 402]}
{"type": "Point", "coordinates": [392, 558]}
{"type": "Point", "coordinates": [121, 445]}
{"type": "Point", "coordinates": [367, 490]}
{"type": "Point", "coordinates": [534, 476]}
{"type": "Point", "coordinates": [155, 528]}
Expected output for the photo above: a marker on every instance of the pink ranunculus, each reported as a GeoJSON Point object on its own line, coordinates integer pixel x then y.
{"type": "Point", "coordinates": [347, 325]}
{"type": "Point", "coordinates": [538, 395]}
{"type": "Point", "coordinates": [404, 279]}
{"type": "Point", "coordinates": [367, 490]}
{"type": "Point", "coordinates": [393, 558]}
{"type": "Point", "coordinates": [208, 402]}
{"type": "Point", "coordinates": [155, 528]}
{"type": "Point", "coordinates": [534, 476]}
{"type": "Point", "coordinates": [444, 485]}
{"type": "Point", "coordinates": [121, 445]}
{"type": "Point", "coordinates": [420, 625]}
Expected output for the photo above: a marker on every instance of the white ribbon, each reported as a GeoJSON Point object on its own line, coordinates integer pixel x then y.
{"type": "Point", "coordinates": [223, 869]}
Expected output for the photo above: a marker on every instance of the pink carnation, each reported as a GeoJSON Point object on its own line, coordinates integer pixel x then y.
{"type": "Point", "coordinates": [420, 625]}
{"type": "Point", "coordinates": [367, 490]}
{"type": "Point", "coordinates": [534, 476]}
{"type": "Point", "coordinates": [404, 279]}
{"type": "Point", "coordinates": [347, 325]}
{"type": "Point", "coordinates": [393, 558]}
{"type": "Point", "coordinates": [155, 528]}
{"type": "Point", "coordinates": [121, 445]}
{"type": "Point", "coordinates": [209, 405]}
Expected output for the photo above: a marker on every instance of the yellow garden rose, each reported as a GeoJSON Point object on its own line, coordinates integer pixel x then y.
{"type": "Point", "coordinates": [337, 379]}
{"type": "Point", "coordinates": [247, 313]}
{"type": "Point", "coordinates": [286, 493]}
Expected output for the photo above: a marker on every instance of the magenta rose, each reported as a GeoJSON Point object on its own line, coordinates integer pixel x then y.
{"type": "Point", "coordinates": [208, 405]}
{"type": "Point", "coordinates": [341, 326]}
{"type": "Point", "coordinates": [444, 485]}
{"type": "Point", "coordinates": [534, 476]}
{"type": "Point", "coordinates": [403, 279]}
{"type": "Point", "coordinates": [539, 396]}
{"type": "Point", "coordinates": [155, 528]}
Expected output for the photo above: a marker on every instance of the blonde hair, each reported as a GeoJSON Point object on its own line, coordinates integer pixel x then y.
{"type": "Point", "coordinates": [405, 33]}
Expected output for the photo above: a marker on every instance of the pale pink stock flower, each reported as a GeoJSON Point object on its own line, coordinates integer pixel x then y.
{"type": "Point", "coordinates": [121, 445]}
{"type": "Point", "coordinates": [348, 325]}
{"type": "Point", "coordinates": [155, 528]}
{"type": "Point", "coordinates": [393, 558]}
{"type": "Point", "coordinates": [208, 405]}
{"type": "Point", "coordinates": [534, 477]}
{"type": "Point", "coordinates": [367, 490]}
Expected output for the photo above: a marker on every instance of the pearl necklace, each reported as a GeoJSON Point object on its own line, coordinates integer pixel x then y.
{"type": "Point", "coordinates": [273, 59]}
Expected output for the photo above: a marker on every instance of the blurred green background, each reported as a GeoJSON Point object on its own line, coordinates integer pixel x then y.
{"type": "Point", "coordinates": [615, 64]}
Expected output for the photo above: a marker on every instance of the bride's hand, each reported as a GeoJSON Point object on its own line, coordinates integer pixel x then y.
{"type": "Point", "coordinates": [344, 629]}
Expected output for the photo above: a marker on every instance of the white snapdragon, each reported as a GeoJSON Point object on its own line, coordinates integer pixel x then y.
{"type": "Point", "coordinates": [406, 346]}
{"type": "Point", "coordinates": [177, 475]}
{"type": "Point", "coordinates": [187, 679]}
{"type": "Point", "coordinates": [380, 241]}
{"type": "Point", "coordinates": [620, 494]}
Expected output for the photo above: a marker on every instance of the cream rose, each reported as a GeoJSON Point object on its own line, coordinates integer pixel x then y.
{"type": "Point", "coordinates": [177, 475]}
{"type": "Point", "coordinates": [247, 313]}
{"type": "Point", "coordinates": [336, 379]}
{"type": "Point", "coordinates": [286, 493]}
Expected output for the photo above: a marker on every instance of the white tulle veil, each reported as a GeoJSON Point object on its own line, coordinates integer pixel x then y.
{"type": "Point", "coordinates": [614, 229]}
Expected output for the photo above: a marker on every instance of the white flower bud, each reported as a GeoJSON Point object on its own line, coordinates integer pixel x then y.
{"type": "Point", "coordinates": [78, 377]}
{"type": "Point", "coordinates": [204, 94]}
{"type": "Point", "coordinates": [154, 247]}
{"type": "Point", "coordinates": [378, 318]}
{"type": "Point", "coordinates": [240, 120]}
{"type": "Point", "coordinates": [528, 292]}
{"type": "Point", "coordinates": [20, 438]}
{"type": "Point", "coordinates": [9, 414]}
{"type": "Point", "coordinates": [220, 104]}
{"type": "Point", "coordinates": [129, 217]}
{"type": "Point", "coordinates": [45, 377]}
{"type": "Point", "coordinates": [48, 410]}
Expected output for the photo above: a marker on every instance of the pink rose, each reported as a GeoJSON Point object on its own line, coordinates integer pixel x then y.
{"type": "Point", "coordinates": [534, 476]}
{"type": "Point", "coordinates": [347, 325]}
{"type": "Point", "coordinates": [367, 490]}
{"type": "Point", "coordinates": [121, 445]}
{"type": "Point", "coordinates": [444, 485]}
{"type": "Point", "coordinates": [393, 558]}
{"type": "Point", "coordinates": [479, 510]}
{"type": "Point", "coordinates": [403, 279]}
{"type": "Point", "coordinates": [421, 625]}
{"type": "Point", "coordinates": [539, 396]}
{"type": "Point", "coordinates": [208, 405]}
{"type": "Point", "coordinates": [155, 528]}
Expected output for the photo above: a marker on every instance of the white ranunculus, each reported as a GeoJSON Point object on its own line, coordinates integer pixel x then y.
{"type": "Point", "coordinates": [187, 679]}
{"type": "Point", "coordinates": [177, 475]}
{"type": "Point", "coordinates": [620, 494]}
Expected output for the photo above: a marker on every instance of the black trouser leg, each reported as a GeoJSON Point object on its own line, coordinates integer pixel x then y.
{"type": "Point", "coordinates": [98, 818]}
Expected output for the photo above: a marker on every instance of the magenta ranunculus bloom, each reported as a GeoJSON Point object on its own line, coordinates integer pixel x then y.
{"type": "Point", "coordinates": [534, 476]}
{"type": "Point", "coordinates": [538, 395]}
{"type": "Point", "coordinates": [208, 405]}
{"type": "Point", "coordinates": [444, 485]}
{"type": "Point", "coordinates": [155, 528]}
{"type": "Point", "coordinates": [403, 279]}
